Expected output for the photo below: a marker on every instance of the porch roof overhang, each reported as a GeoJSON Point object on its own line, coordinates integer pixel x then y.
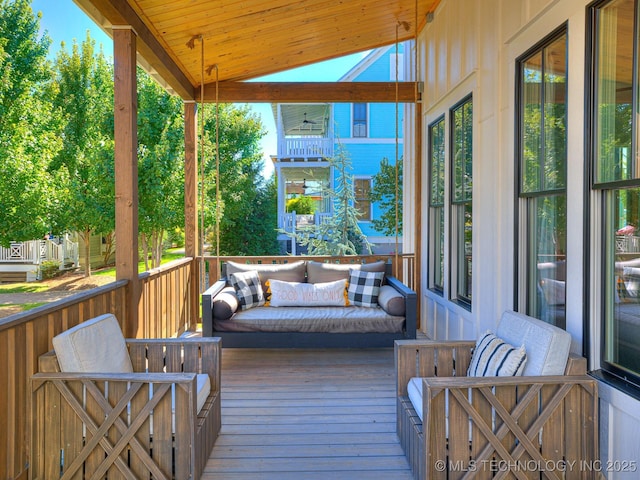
{"type": "Point", "coordinates": [183, 42]}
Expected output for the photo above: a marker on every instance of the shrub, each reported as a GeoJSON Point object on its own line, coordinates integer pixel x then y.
{"type": "Point", "coordinates": [301, 205]}
{"type": "Point", "coordinates": [50, 269]}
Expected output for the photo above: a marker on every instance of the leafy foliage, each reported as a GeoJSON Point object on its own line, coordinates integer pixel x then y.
{"type": "Point", "coordinates": [339, 234]}
{"type": "Point", "coordinates": [301, 205]}
{"type": "Point", "coordinates": [160, 166]}
{"type": "Point", "coordinates": [57, 150]}
{"type": "Point", "coordinates": [383, 192]}
{"type": "Point", "coordinates": [84, 166]}
{"type": "Point", "coordinates": [28, 139]}
{"type": "Point", "coordinates": [247, 207]}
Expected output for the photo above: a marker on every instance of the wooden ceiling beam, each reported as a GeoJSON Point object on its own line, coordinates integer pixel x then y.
{"type": "Point", "coordinates": [308, 92]}
{"type": "Point", "coordinates": [109, 13]}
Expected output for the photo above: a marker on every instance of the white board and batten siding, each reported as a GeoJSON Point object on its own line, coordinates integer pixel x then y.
{"type": "Point", "coordinates": [471, 47]}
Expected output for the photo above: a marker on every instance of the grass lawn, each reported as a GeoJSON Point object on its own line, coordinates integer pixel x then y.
{"type": "Point", "coordinates": [167, 256]}
{"type": "Point", "coordinates": [43, 286]}
{"type": "Point", "coordinates": [30, 287]}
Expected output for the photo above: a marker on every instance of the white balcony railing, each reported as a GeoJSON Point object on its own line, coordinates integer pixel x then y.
{"type": "Point", "coordinates": [36, 251]}
{"type": "Point", "coordinates": [290, 222]}
{"type": "Point", "coordinates": [314, 147]}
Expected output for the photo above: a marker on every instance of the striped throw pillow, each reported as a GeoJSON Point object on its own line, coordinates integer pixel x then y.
{"type": "Point", "coordinates": [492, 357]}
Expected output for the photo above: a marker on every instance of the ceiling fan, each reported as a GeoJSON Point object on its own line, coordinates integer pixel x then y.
{"type": "Point", "coordinates": [307, 122]}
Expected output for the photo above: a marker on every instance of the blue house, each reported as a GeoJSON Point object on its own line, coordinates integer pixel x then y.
{"type": "Point", "coordinates": [309, 134]}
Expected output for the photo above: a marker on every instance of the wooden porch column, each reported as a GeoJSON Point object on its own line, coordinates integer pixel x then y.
{"type": "Point", "coordinates": [191, 242]}
{"type": "Point", "coordinates": [417, 175]}
{"type": "Point", "coordinates": [126, 169]}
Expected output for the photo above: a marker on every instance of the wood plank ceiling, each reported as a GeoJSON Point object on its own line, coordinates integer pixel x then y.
{"type": "Point", "coordinates": [247, 39]}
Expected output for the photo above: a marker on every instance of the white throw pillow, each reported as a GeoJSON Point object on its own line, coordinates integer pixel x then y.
{"type": "Point", "coordinates": [493, 357]}
{"type": "Point", "coordinates": [296, 294]}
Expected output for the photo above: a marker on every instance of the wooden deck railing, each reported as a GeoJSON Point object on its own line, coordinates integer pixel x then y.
{"type": "Point", "coordinates": [169, 299]}
{"type": "Point", "coordinates": [168, 306]}
{"type": "Point", "coordinates": [406, 264]}
{"type": "Point", "coordinates": [23, 338]}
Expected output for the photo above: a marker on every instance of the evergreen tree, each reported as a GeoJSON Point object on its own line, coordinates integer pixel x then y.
{"type": "Point", "coordinates": [339, 234]}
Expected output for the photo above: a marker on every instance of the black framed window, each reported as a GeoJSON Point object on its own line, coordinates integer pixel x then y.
{"type": "Point", "coordinates": [436, 204]}
{"type": "Point", "coordinates": [461, 200]}
{"type": "Point", "coordinates": [542, 169]}
{"type": "Point", "coordinates": [359, 119]}
{"type": "Point", "coordinates": [613, 108]}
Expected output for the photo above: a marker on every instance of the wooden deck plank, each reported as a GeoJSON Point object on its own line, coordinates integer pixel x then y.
{"type": "Point", "coordinates": [308, 414]}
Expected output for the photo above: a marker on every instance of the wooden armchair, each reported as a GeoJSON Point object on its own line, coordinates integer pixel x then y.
{"type": "Point", "coordinates": [484, 427]}
{"type": "Point", "coordinates": [157, 421]}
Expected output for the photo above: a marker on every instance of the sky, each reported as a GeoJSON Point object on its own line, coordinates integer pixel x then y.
{"type": "Point", "coordinates": [65, 22]}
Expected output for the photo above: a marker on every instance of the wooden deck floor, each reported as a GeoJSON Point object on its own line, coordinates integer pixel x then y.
{"type": "Point", "coordinates": [308, 414]}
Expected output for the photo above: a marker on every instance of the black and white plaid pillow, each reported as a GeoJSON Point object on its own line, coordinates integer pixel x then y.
{"type": "Point", "coordinates": [248, 289]}
{"type": "Point", "coordinates": [364, 288]}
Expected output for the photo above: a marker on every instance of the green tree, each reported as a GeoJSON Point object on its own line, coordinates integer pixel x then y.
{"type": "Point", "coordinates": [84, 165]}
{"type": "Point", "coordinates": [340, 234]}
{"type": "Point", "coordinates": [28, 128]}
{"type": "Point", "coordinates": [383, 192]}
{"type": "Point", "coordinates": [301, 205]}
{"type": "Point", "coordinates": [160, 166]}
{"type": "Point", "coordinates": [247, 207]}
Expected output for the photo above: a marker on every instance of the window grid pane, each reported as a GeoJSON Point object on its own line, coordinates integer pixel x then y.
{"type": "Point", "coordinates": [543, 94]}
{"type": "Point", "coordinates": [437, 215]}
{"type": "Point", "coordinates": [547, 272]}
{"type": "Point", "coordinates": [362, 188]}
{"type": "Point", "coordinates": [464, 249]}
{"type": "Point", "coordinates": [462, 152]}
{"type": "Point", "coordinates": [615, 146]}
{"type": "Point", "coordinates": [436, 136]}
{"type": "Point", "coordinates": [532, 128]}
{"type": "Point", "coordinates": [359, 119]}
{"type": "Point", "coordinates": [621, 330]}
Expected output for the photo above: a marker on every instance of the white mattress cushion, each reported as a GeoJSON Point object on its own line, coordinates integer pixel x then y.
{"type": "Point", "coordinates": [94, 346]}
{"type": "Point", "coordinates": [316, 319]}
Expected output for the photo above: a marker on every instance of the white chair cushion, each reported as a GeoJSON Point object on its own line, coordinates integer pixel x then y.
{"type": "Point", "coordinates": [203, 388]}
{"type": "Point", "coordinates": [547, 346]}
{"type": "Point", "coordinates": [94, 346]}
{"type": "Point", "coordinates": [414, 392]}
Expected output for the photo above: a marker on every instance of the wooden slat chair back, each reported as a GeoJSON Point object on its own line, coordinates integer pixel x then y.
{"type": "Point", "coordinates": [143, 424]}
{"type": "Point", "coordinates": [486, 427]}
